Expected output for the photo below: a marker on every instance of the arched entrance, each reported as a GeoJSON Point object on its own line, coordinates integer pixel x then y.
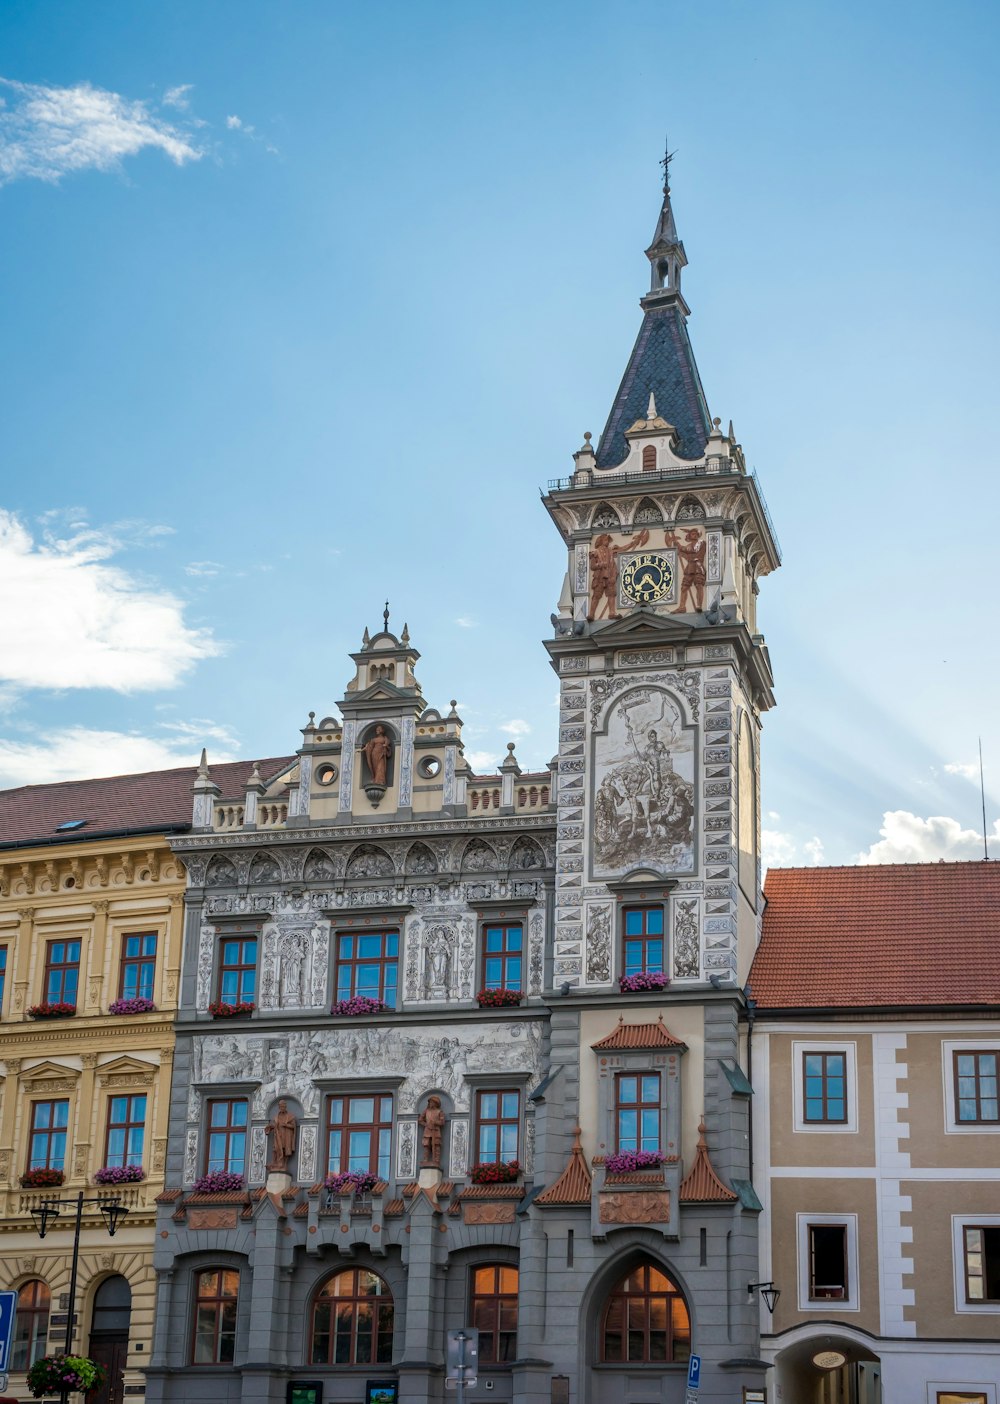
{"type": "Point", "coordinates": [636, 1333]}
{"type": "Point", "coordinates": [109, 1325]}
{"type": "Point", "coordinates": [828, 1368]}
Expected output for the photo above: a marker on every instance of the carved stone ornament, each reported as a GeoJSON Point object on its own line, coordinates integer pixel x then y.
{"type": "Point", "coordinates": [635, 1207]}
{"type": "Point", "coordinates": [211, 1218]}
{"type": "Point", "coordinates": [479, 1213]}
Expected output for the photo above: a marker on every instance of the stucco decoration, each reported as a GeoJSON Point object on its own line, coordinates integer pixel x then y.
{"type": "Point", "coordinates": [293, 951]}
{"type": "Point", "coordinates": [263, 868]}
{"type": "Point", "coordinates": [478, 1212]}
{"type": "Point", "coordinates": [307, 1155]}
{"type": "Point", "coordinates": [686, 952]}
{"type": "Point", "coordinates": [221, 872]}
{"type": "Point", "coordinates": [406, 763]}
{"type": "Point", "coordinates": [347, 766]}
{"type": "Point", "coordinates": [643, 799]}
{"type": "Point", "coordinates": [318, 867]}
{"type": "Point", "coordinates": [439, 958]}
{"type": "Point", "coordinates": [458, 1160]}
{"type": "Point", "coordinates": [406, 1159]}
{"type": "Point", "coordinates": [467, 956]}
{"type": "Point", "coordinates": [635, 1207]}
{"type": "Point", "coordinates": [267, 997]}
{"type": "Point", "coordinates": [320, 964]}
{"type": "Point", "coordinates": [206, 951]}
{"type": "Point", "coordinates": [369, 861]}
{"type": "Point", "coordinates": [479, 857]}
{"type": "Point", "coordinates": [258, 1156]}
{"type": "Point", "coordinates": [536, 947]}
{"type": "Point", "coordinates": [420, 861]}
{"type": "Point", "coordinates": [598, 943]}
{"type": "Point", "coordinates": [191, 1155]}
{"type": "Point", "coordinates": [526, 853]}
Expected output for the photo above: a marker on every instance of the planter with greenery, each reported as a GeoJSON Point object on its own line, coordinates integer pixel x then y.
{"type": "Point", "coordinates": [359, 1004]}
{"type": "Point", "coordinates": [137, 1005]}
{"type": "Point", "coordinates": [218, 1182]}
{"type": "Point", "coordinates": [119, 1175]}
{"type": "Point", "coordinates": [221, 1010]}
{"type": "Point", "coordinates": [499, 999]}
{"type": "Point", "coordinates": [58, 1009]}
{"type": "Point", "coordinates": [42, 1179]}
{"type": "Point", "coordinates": [54, 1373]}
{"type": "Point", "coordinates": [498, 1172]}
{"type": "Point", "coordinates": [647, 980]}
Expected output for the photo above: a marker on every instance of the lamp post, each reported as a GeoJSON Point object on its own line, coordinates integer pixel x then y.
{"type": "Point", "coordinates": [112, 1211]}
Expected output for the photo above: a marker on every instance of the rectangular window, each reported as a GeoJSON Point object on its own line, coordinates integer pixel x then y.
{"type": "Point", "coordinates": [359, 1134]}
{"type": "Point", "coordinates": [828, 1263]}
{"type": "Point", "coordinates": [950, 1396]}
{"type": "Point", "coordinates": [126, 1130]}
{"type": "Point", "coordinates": [498, 1119]}
{"type": "Point", "coordinates": [503, 946]}
{"type": "Point", "coordinates": [62, 972]}
{"type": "Point", "coordinates": [824, 1088]}
{"type": "Point", "coordinates": [982, 1263]}
{"type": "Point", "coordinates": [49, 1121]}
{"type": "Point", "coordinates": [216, 1298]}
{"type": "Point", "coordinates": [494, 1312]}
{"type": "Point", "coordinates": [3, 973]}
{"type": "Point", "coordinates": [226, 1147]}
{"type": "Point", "coordinates": [637, 1112]}
{"type": "Point", "coordinates": [238, 970]}
{"type": "Point", "coordinates": [642, 940]}
{"type": "Point", "coordinates": [368, 965]}
{"type": "Point", "coordinates": [976, 1074]}
{"type": "Point", "coordinates": [138, 966]}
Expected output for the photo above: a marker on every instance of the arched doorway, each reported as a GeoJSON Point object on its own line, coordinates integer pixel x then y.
{"type": "Point", "coordinates": [109, 1325]}
{"type": "Point", "coordinates": [637, 1329]}
{"type": "Point", "coordinates": [828, 1368]}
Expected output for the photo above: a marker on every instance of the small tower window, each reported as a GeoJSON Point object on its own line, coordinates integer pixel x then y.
{"type": "Point", "coordinates": [649, 459]}
{"type": "Point", "coordinates": [664, 273]}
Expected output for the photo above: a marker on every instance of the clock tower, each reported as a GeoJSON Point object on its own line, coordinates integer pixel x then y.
{"type": "Point", "coordinates": [664, 677]}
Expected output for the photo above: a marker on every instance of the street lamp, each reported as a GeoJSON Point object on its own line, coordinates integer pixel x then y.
{"type": "Point", "coordinates": [112, 1211]}
{"type": "Point", "coordinates": [768, 1292]}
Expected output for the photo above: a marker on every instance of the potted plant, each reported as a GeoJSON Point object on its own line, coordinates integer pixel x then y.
{"type": "Point", "coordinates": [351, 1182]}
{"type": "Point", "coordinates": [628, 1162]}
{"type": "Point", "coordinates": [223, 1010]}
{"type": "Point", "coordinates": [119, 1175]}
{"type": "Point", "coordinates": [136, 1005]}
{"type": "Point", "coordinates": [57, 1009]}
{"type": "Point", "coordinates": [218, 1182]}
{"type": "Point", "coordinates": [499, 999]}
{"type": "Point", "coordinates": [645, 981]}
{"type": "Point", "coordinates": [52, 1374]}
{"type": "Point", "coordinates": [42, 1179]}
{"type": "Point", "coordinates": [359, 1004]}
{"type": "Point", "coordinates": [496, 1172]}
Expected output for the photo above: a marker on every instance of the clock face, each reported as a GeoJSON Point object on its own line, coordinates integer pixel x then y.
{"type": "Point", "coordinates": [647, 577]}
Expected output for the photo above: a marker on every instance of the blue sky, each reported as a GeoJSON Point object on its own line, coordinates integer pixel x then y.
{"type": "Point", "coordinates": [304, 303]}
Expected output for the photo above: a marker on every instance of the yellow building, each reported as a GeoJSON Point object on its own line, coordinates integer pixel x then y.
{"type": "Point", "coordinates": [91, 908]}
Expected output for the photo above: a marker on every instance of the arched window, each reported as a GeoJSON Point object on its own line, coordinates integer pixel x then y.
{"type": "Point", "coordinates": [216, 1296]}
{"type": "Point", "coordinates": [352, 1320]}
{"type": "Point", "coordinates": [31, 1327]}
{"type": "Point", "coordinates": [645, 1319]}
{"type": "Point", "coordinates": [649, 459]}
{"type": "Point", "coordinates": [112, 1305]}
{"type": "Point", "coordinates": [494, 1312]}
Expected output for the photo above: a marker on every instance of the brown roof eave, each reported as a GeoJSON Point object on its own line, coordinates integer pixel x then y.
{"type": "Point", "coordinates": [869, 1011]}
{"type": "Point", "coordinates": [78, 836]}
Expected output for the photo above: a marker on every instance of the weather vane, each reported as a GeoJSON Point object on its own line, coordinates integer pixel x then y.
{"type": "Point", "coordinates": [668, 156]}
{"type": "Point", "coordinates": [385, 616]}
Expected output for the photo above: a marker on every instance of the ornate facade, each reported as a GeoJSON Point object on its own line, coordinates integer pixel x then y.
{"type": "Point", "coordinates": [464, 1050]}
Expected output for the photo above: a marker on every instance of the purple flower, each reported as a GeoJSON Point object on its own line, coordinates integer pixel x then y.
{"type": "Point", "coordinates": [351, 1182]}
{"type": "Point", "coordinates": [626, 1162]}
{"type": "Point", "coordinates": [218, 1182]}
{"type": "Point", "coordinates": [359, 1004]}
{"type": "Point", "coordinates": [118, 1175]}
{"type": "Point", "coordinates": [138, 1005]}
{"type": "Point", "coordinates": [645, 980]}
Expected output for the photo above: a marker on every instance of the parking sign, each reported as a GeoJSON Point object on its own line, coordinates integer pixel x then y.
{"type": "Point", "coordinates": [694, 1372]}
{"type": "Point", "coordinates": [8, 1312]}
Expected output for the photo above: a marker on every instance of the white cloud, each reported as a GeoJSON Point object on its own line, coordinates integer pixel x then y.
{"type": "Point", "coordinates": [236, 124]}
{"type": "Point", "coordinates": [81, 753]}
{"type": "Point", "coordinates": [906, 838]}
{"type": "Point", "coordinates": [178, 97]}
{"type": "Point", "coordinates": [482, 762]}
{"type": "Point", "coordinates": [515, 727]}
{"type": "Point", "coordinates": [970, 772]}
{"type": "Point", "coordinates": [814, 851]}
{"type": "Point", "coordinates": [202, 568]}
{"type": "Point", "coordinates": [465, 621]}
{"type": "Point", "coordinates": [71, 620]}
{"type": "Point", "coordinates": [778, 850]}
{"type": "Point", "coordinates": [46, 133]}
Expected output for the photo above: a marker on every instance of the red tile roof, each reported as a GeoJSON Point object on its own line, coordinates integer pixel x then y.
{"type": "Point", "coordinates": [118, 803]}
{"type": "Point", "coordinates": [702, 1185]}
{"type": "Point", "coordinates": [640, 1036]}
{"type": "Point", "coordinates": [888, 935]}
{"type": "Point", "coordinates": [574, 1184]}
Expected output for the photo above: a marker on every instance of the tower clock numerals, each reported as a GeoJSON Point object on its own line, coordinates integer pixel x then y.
{"type": "Point", "coordinates": [647, 577]}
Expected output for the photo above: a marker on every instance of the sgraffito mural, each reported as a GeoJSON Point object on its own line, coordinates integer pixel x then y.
{"type": "Point", "coordinates": [643, 786]}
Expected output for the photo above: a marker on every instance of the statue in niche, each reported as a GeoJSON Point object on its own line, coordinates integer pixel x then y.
{"type": "Point", "coordinates": [282, 1129]}
{"type": "Point", "coordinates": [604, 571]}
{"type": "Point", "coordinates": [378, 751]}
{"type": "Point", "coordinates": [438, 961]}
{"type": "Point", "coordinates": [432, 1121]}
{"type": "Point", "coordinates": [293, 960]}
{"type": "Point", "coordinates": [692, 554]}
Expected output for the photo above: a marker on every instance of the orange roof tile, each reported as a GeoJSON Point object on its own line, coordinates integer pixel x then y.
{"type": "Point", "coordinates": [893, 935]}
{"type": "Point", "coordinates": [574, 1184]}
{"type": "Point", "coordinates": [702, 1185]}
{"type": "Point", "coordinates": [640, 1036]}
{"type": "Point", "coordinates": [506, 1191]}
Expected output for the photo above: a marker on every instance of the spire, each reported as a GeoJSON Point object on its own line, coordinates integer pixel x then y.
{"type": "Point", "coordinates": [662, 363]}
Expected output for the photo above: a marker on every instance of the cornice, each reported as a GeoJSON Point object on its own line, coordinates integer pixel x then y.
{"type": "Point", "coordinates": [351, 833]}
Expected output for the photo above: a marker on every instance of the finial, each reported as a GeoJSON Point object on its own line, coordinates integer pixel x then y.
{"type": "Point", "coordinates": [203, 763]}
{"type": "Point", "coordinates": [405, 635]}
{"type": "Point", "coordinates": [668, 156]}
{"type": "Point", "coordinates": [365, 638]}
{"type": "Point", "coordinates": [255, 774]}
{"type": "Point", "coordinates": [312, 718]}
{"type": "Point", "coordinates": [385, 616]}
{"type": "Point", "coordinates": [731, 434]}
{"type": "Point", "coordinates": [577, 1133]}
{"type": "Point", "coordinates": [587, 436]}
{"type": "Point", "coordinates": [651, 407]}
{"type": "Point", "coordinates": [510, 747]}
{"type": "Point", "coordinates": [716, 421]}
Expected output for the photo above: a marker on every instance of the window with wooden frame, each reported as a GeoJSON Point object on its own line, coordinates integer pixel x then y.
{"type": "Point", "coordinates": [126, 1130]}
{"type": "Point", "coordinates": [138, 965]}
{"type": "Point", "coordinates": [47, 1143]}
{"type": "Point", "coordinates": [3, 973]}
{"type": "Point", "coordinates": [238, 970]}
{"type": "Point", "coordinates": [359, 1134]}
{"type": "Point", "coordinates": [498, 1124]}
{"type": "Point", "coordinates": [216, 1299]}
{"type": "Point", "coordinates": [503, 955]}
{"type": "Point", "coordinates": [638, 1112]}
{"type": "Point", "coordinates": [368, 965]}
{"type": "Point", "coordinates": [828, 1277]}
{"type": "Point", "coordinates": [352, 1320]}
{"type": "Point", "coordinates": [493, 1311]}
{"type": "Point", "coordinates": [645, 1320]}
{"type": "Point", "coordinates": [824, 1087]}
{"type": "Point", "coordinates": [976, 1074]}
{"type": "Point", "coordinates": [961, 1396]}
{"type": "Point", "coordinates": [642, 940]}
{"type": "Point", "coordinates": [31, 1324]}
{"type": "Point", "coordinates": [226, 1141]}
{"type": "Point", "coordinates": [62, 972]}
{"type": "Point", "coordinates": [982, 1262]}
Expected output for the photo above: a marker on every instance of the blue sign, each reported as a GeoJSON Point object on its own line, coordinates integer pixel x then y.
{"type": "Point", "coordinates": [694, 1372]}
{"type": "Point", "coordinates": [8, 1312]}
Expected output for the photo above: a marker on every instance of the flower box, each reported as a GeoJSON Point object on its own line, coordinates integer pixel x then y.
{"type": "Point", "coordinates": [119, 1175]}
{"type": "Point", "coordinates": [42, 1179]}
{"type": "Point", "coordinates": [76, 1373]}
{"type": "Point", "coordinates": [138, 1005]}
{"type": "Point", "coordinates": [218, 1182]}
{"type": "Point", "coordinates": [221, 1010]}
{"type": "Point", "coordinates": [351, 1182]}
{"type": "Point", "coordinates": [59, 1010]}
{"type": "Point", "coordinates": [357, 1005]}
{"type": "Point", "coordinates": [500, 1172]}
{"type": "Point", "coordinates": [628, 1162]}
{"type": "Point", "coordinates": [648, 980]}
{"type": "Point", "coordinates": [499, 999]}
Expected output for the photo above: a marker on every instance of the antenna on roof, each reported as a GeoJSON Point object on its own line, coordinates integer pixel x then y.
{"type": "Point", "coordinates": [982, 792]}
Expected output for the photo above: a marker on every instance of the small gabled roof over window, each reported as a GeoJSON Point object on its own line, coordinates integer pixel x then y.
{"type": "Point", "coordinates": [639, 1036]}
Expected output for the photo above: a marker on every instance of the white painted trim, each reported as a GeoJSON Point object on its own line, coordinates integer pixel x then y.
{"type": "Point", "coordinates": [958, 1223]}
{"type": "Point", "coordinates": [943, 1174]}
{"type": "Point", "coordinates": [803, 1222]}
{"type": "Point", "coordinates": [833, 1045]}
{"type": "Point", "coordinates": [952, 1125]}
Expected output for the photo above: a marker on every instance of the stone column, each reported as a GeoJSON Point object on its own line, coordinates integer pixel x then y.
{"type": "Point", "coordinates": [421, 1366]}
